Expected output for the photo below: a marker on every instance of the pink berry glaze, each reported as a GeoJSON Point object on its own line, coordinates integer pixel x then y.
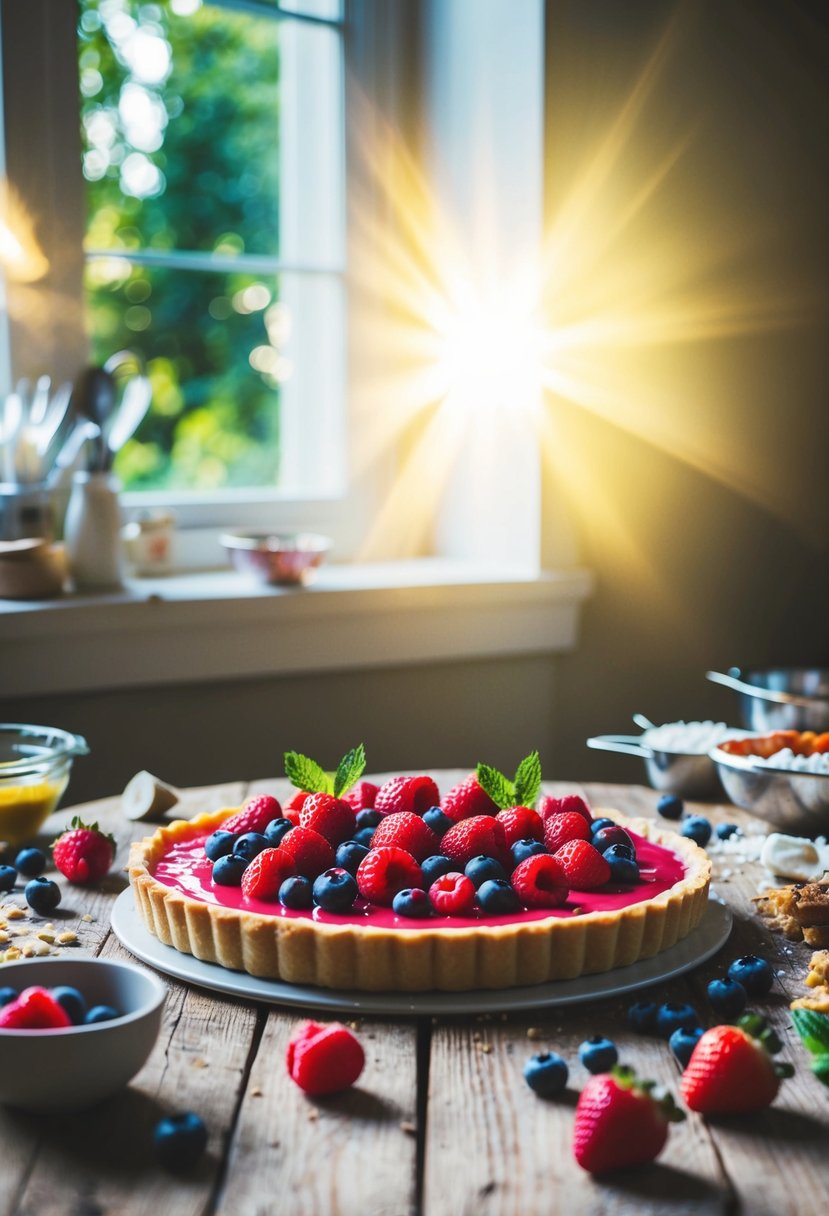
{"type": "Point", "coordinates": [185, 868]}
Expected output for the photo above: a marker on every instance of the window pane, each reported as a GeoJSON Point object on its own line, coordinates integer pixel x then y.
{"type": "Point", "coordinates": [180, 114]}
{"type": "Point", "coordinates": [330, 10]}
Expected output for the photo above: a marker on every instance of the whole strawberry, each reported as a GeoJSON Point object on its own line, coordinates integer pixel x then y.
{"type": "Point", "coordinates": [731, 1071]}
{"type": "Point", "coordinates": [621, 1122]}
{"type": "Point", "coordinates": [83, 854]}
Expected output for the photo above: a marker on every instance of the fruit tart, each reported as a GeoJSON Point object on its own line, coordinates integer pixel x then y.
{"type": "Point", "coordinates": [395, 887]}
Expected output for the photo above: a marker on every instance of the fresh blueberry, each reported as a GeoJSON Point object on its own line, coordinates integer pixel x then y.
{"type": "Point", "coordinates": [437, 821]}
{"type": "Point", "coordinates": [8, 877]}
{"type": "Point", "coordinates": [335, 890]}
{"type": "Point", "coordinates": [296, 892]}
{"type": "Point", "coordinates": [623, 871]}
{"type": "Point", "coordinates": [673, 1016]}
{"type": "Point", "coordinates": [8, 994]}
{"type": "Point", "coordinates": [228, 871]}
{"type": "Point", "coordinates": [180, 1141]}
{"type": "Point", "coordinates": [619, 850]}
{"type": "Point", "coordinates": [435, 867]}
{"type": "Point", "coordinates": [546, 1074]}
{"type": "Point", "coordinates": [219, 844]}
{"type": "Point", "coordinates": [670, 807]}
{"type": "Point", "coordinates": [481, 868]}
{"type": "Point", "coordinates": [755, 974]}
{"type": "Point", "coordinates": [599, 825]}
{"type": "Point", "coordinates": [642, 1017]}
{"type": "Point", "coordinates": [598, 1054]}
{"type": "Point", "coordinates": [368, 818]}
{"type": "Point", "coordinates": [42, 895]}
{"type": "Point", "coordinates": [349, 855]}
{"type": "Point", "coordinates": [605, 837]}
{"type": "Point", "coordinates": [728, 998]}
{"type": "Point", "coordinates": [30, 862]}
{"type": "Point", "coordinates": [725, 831]}
{"type": "Point", "coordinates": [697, 828]}
{"type": "Point", "coordinates": [276, 829]}
{"type": "Point", "coordinates": [412, 902]}
{"type": "Point", "coordinates": [682, 1043]}
{"type": "Point", "coordinates": [497, 897]}
{"type": "Point", "coordinates": [522, 849]}
{"type": "Point", "coordinates": [100, 1013]}
{"type": "Point", "coordinates": [72, 1002]}
{"type": "Point", "coordinates": [250, 845]}
{"type": "Point", "coordinates": [364, 836]}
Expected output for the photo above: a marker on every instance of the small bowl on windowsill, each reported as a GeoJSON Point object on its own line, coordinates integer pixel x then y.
{"type": "Point", "coordinates": [277, 559]}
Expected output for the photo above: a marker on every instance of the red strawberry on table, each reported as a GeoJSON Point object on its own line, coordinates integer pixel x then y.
{"type": "Point", "coordinates": [83, 854]}
{"type": "Point", "coordinates": [254, 816]}
{"type": "Point", "coordinates": [731, 1071]}
{"type": "Point", "coordinates": [466, 799]}
{"type": "Point", "coordinates": [414, 794]}
{"type": "Point", "coordinates": [620, 1122]}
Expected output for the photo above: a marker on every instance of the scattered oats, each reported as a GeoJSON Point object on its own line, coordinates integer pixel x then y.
{"type": "Point", "coordinates": [41, 949]}
{"type": "Point", "coordinates": [354, 1025]}
{"type": "Point", "coordinates": [485, 1048]}
{"type": "Point", "coordinates": [87, 917]}
{"type": "Point", "coordinates": [256, 1092]}
{"type": "Point", "coordinates": [28, 951]}
{"type": "Point", "coordinates": [409, 1128]}
{"type": "Point", "coordinates": [15, 914]}
{"type": "Point", "coordinates": [4, 937]}
{"type": "Point", "coordinates": [49, 927]}
{"type": "Point", "coordinates": [200, 1063]}
{"type": "Point", "coordinates": [12, 954]}
{"type": "Point", "coordinates": [535, 1032]}
{"type": "Point", "coordinates": [313, 1114]}
{"type": "Point", "coordinates": [67, 937]}
{"type": "Point", "coordinates": [43, 936]}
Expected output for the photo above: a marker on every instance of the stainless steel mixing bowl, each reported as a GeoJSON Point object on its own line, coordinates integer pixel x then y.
{"type": "Point", "coordinates": [780, 698]}
{"type": "Point", "coordinates": [686, 774]}
{"type": "Point", "coordinates": [790, 800]}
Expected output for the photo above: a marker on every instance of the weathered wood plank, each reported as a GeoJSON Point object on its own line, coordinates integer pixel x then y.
{"type": "Point", "coordinates": [351, 1154]}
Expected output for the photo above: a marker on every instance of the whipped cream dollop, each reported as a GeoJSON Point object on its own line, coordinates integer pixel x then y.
{"type": "Point", "coordinates": [694, 738]}
{"type": "Point", "coordinates": [818, 762]}
{"type": "Point", "coordinates": [795, 857]}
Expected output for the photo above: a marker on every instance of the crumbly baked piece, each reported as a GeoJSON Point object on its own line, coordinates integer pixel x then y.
{"type": "Point", "coordinates": [353, 956]}
{"type": "Point", "coordinates": [817, 978]}
{"type": "Point", "coordinates": [799, 911]}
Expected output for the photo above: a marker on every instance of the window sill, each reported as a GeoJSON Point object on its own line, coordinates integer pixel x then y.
{"type": "Point", "coordinates": [217, 625]}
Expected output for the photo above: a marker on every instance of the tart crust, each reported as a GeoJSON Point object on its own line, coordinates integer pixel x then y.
{"type": "Point", "coordinates": [373, 959]}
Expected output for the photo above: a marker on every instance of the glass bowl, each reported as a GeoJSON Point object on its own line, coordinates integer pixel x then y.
{"type": "Point", "coordinates": [289, 560]}
{"type": "Point", "coordinates": [35, 762]}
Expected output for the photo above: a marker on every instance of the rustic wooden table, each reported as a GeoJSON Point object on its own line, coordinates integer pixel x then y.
{"type": "Point", "coordinates": [441, 1123]}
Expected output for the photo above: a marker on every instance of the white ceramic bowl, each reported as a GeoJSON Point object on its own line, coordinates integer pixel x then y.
{"type": "Point", "coordinates": [71, 1069]}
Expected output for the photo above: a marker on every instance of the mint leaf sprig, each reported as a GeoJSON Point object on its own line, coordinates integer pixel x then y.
{"type": "Point", "coordinates": [521, 791]}
{"type": "Point", "coordinates": [307, 775]}
{"type": "Point", "coordinates": [813, 1028]}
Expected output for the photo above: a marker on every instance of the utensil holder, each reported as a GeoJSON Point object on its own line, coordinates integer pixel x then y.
{"type": "Point", "coordinates": [93, 532]}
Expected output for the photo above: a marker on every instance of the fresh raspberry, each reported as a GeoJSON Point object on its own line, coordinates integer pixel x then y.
{"type": "Point", "coordinates": [468, 799]}
{"type": "Point", "coordinates": [310, 852]}
{"type": "Point", "coordinates": [414, 794]}
{"type": "Point", "coordinates": [295, 803]}
{"type": "Point", "coordinates": [324, 1059]}
{"type": "Point", "coordinates": [520, 823]}
{"type": "Point", "coordinates": [452, 894]}
{"type": "Point", "coordinates": [362, 796]}
{"type": "Point", "coordinates": [540, 882]}
{"type": "Point", "coordinates": [482, 835]}
{"type": "Point", "coordinates": [265, 874]}
{"type": "Point", "coordinates": [385, 871]}
{"type": "Point", "coordinates": [548, 805]}
{"type": "Point", "coordinates": [407, 831]}
{"type": "Point", "coordinates": [583, 865]}
{"type": "Point", "coordinates": [254, 816]}
{"type": "Point", "coordinates": [34, 1009]}
{"type": "Point", "coordinates": [569, 825]}
{"type": "Point", "coordinates": [330, 816]}
{"type": "Point", "coordinates": [84, 853]}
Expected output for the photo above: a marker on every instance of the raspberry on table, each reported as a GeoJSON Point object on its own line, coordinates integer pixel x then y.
{"type": "Point", "coordinates": [83, 853]}
{"type": "Point", "coordinates": [385, 871]}
{"type": "Point", "coordinates": [324, 1059]}
{"type": "Point", "coordinates": [406, 830]}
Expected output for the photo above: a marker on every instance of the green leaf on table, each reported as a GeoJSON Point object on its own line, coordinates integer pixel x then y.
{"type": "Point", "coordinates": [306, 774]}
{"type": "Point", "coordinates": [813, 1028]}
{"type": "Point", "coordinates": [528, 780]}
{"type": "Point", "coordinates": [494, 783]}
{"type": "Point", "coordinates": [349, 770]}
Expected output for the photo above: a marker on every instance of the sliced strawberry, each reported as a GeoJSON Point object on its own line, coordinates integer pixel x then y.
{"type": "Point", "coordinates": [731, 1072]}
{"type": "Point", "coordinates": [385, 871]}
{"type": "Point", "coordinates": [584, 866]}
{"type": "Point", "coordinates": [310, 852]}
{"type": "Point", "coordinates": [540, 882]}
{"type": "Point", "coordinates": [266, 873]}
{"type": "Point", "coordinates": [324, 1059]}
{"type": "Point", "coordinates": [620, 1123]}
{"type": "Point", "coordinates": [520, 823]}
{"type": "Point", "coordinates": [548, 805]}
{"type": "Point", "coordinates": [254, 816]}
{"type": "Point", "coordinates": [332, 817]}
{"type": "Point", "coordinates": [407, 831]}
{"type": "Point", "coordinates": [567, 825]}
{"type": "Point", "coordinates": [468, 799]}
{"type": "Point", "coordinates": [482, 835]}
{"type": "Point", "coordinates": [415, 794]}
{"type": "Point", "coordinates": [34, 1009]}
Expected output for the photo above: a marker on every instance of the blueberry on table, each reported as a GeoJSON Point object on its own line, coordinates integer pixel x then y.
{"type": "Point", "coordinates": [642, 1017]}
{"type": "Point", "coordinates": [180, 1141]}
{"type": "Point", "coordinates": [8, 877]}
{"type": "Point", "coordinates": [682, 1044]}
{"type": "Point", "coordinates": [755, 974]}
{"type": "Point", "coordinates": [72, 1001]}
{"type": "Point", "coordinates": [670, 807]}
{"type": "Point", "coordinates": [349, 855]}
{"type": "Point", "coordinates": [219, 844]}
{"type": "Point", "coordinates": [497, 897]}
{"type": "Point", "coordinates": [522, 849]}
{"type": "Point", "coordinates": [598, 1054]}
{"type": "Point", "coordinates": [335, 890]}
{"type": "Point", "coordinates": [480, 868]}
{"type": "Point", "coordinates": [100, 1013]}
{"type": "Point", "coordinates": [725, 831]}
{"type": "Point", "coordinates": [296, 893]}
{"type": "Point", "coordinates": [30, 862]}
{"type": "Point", "coordinates": [276, 830]}
{"type": "Point", "coordinates": [228, 871]}
{"type": "Point", "coordinates": [728, 998]}
{"type": "Point", "coordinates": [412, 902]}
{"type": "Point", "coordinates": [697, 828]}
{"type": "Point", "coordinates": [675, 1016]}
{"type": "Point", "coordinates": [42, 895]}
{"type": "Point", "coordinates": [546, 1074]}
